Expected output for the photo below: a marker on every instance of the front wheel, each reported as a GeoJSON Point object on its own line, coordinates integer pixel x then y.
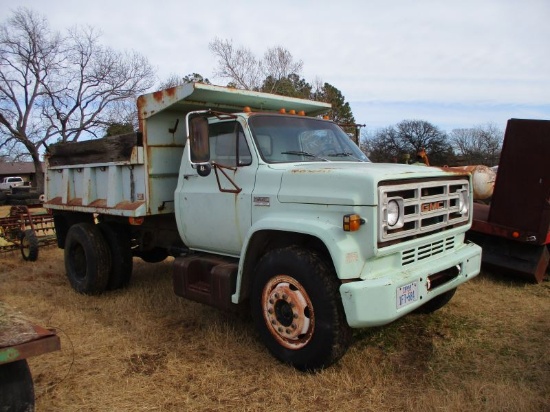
{"type": "Point", "coordinates": [297, 309]}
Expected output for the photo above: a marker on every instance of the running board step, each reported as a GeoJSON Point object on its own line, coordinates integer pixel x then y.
{"type": "Point", "coordinates": [206, 279]}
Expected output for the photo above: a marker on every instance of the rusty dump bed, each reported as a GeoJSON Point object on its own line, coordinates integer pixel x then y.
{"type": "Point", "coordinates": [514, 230]}
{"type": "Point", "coordinates": [136, 174]}
{"type": "Point", "coordinates": [21, 339]}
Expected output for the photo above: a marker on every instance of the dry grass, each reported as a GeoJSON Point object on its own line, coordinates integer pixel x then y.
{"type": "Point", "coordinates": [144, 349]}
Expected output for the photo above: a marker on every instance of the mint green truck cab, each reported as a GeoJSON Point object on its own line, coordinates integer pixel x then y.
{"type": "Point", "coordinates": [279, 213]}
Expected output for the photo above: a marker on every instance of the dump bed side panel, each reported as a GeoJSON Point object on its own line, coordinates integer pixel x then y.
{"type": "Point", "coordinates": [98, 176]}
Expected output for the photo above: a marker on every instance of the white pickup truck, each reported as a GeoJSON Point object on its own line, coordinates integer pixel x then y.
{"type": "Point", "coordinates": [9, 182]}
{"type": "Point", "coordinates": [263, 204]}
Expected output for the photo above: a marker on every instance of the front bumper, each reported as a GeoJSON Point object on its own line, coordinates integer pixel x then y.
{"type": "Point", "coordinates": [374, 302]}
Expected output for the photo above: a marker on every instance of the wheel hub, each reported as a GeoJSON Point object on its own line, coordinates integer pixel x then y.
{"type": "Point", "coordinates": [288, 312]}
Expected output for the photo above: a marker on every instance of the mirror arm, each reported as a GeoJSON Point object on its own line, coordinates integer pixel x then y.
{"type": "Point", "coordinates": [217, 166]}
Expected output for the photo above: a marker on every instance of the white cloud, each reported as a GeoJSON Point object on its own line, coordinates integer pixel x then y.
{"type": "Point", "coordinates": [465, 58]}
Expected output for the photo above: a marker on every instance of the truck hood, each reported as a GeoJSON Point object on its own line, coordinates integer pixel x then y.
{"type": "Point", "coordinates": [345, 183]}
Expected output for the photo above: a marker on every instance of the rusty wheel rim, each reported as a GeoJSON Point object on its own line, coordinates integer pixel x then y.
{"type": "Point", "coordinates": [25, 247]}
{"type": "Point", "coordinates": [288, 312]}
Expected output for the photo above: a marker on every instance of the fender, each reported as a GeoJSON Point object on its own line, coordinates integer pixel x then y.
{"type": "Point", "coordinates": [344, 248]}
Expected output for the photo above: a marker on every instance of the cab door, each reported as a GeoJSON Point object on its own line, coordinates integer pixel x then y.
{"type": "Point", "coordinates": [214, 207]}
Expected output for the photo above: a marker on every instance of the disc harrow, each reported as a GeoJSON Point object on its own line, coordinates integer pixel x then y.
{"type": "Point", "coordinates": [26, 227]}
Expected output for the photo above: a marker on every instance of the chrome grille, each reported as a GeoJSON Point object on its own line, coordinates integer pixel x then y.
{"type": "Point", "coordinates": [426, 207]}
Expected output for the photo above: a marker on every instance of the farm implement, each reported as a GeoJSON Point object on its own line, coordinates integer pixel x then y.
{"type": "Point", "coordinates": [26, 228]}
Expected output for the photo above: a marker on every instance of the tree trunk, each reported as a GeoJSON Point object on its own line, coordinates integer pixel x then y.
{"type": "Point", "coordinates": [38, 172]}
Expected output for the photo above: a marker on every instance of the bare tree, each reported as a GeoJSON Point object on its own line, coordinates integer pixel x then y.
{"type": "Point", "coordinates": [28, 53]}
{"type": "Point", "coordinates": [63, 87]}
{"type": "Point", "coordinates": [174, 80]}
{"type": "Point", "coordinates": [246, 71]}
{"type": "Point", "coordinates": [406, 139]}
{"type": "Point", "coordinates": [238, 65]}
{"type": "Point", "coordinates": [279, 64]}
{"type": "Point", "coordinates": [478, 145]}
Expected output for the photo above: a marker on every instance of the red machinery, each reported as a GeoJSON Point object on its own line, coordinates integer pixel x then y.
{"type": "Point", "coordinates": [514, 230]}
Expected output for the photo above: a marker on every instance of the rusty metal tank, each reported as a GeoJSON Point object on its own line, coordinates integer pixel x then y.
{"type": "Point", "coordinates": [483, 180]}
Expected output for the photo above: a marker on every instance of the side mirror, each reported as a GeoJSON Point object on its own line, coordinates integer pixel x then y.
{"type": "Point", "coordinates": [199, 142]}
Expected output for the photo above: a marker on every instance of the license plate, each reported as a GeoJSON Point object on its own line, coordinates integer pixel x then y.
{"type": "Point", "coordinates": [407, 294]}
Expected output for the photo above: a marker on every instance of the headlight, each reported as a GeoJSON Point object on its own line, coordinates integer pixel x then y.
{"type": "Point", "coordinates": [463, 202]}
{"type": "Point", "coordinates": [393, 213]}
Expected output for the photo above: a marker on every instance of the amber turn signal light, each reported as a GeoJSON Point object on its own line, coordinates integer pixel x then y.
{"type": "Point", "coordinates": [352, 223]}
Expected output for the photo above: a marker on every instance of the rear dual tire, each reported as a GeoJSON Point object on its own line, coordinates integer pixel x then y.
{"type": "Point", "coordinates": [87, 259]}
{"type": "Point", "coordinates": [118, 242]}
{"type": "Point", "coordinates": [97, 257]}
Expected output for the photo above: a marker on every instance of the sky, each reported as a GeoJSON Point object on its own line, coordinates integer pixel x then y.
{"type": "Point", "coordinates": [455, 64]}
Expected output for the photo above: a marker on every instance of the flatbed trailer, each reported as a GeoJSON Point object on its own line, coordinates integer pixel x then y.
{"type": "Point", "coordinates": [20, 339]}
{"type": "Point", "coordinates": [514, 229]}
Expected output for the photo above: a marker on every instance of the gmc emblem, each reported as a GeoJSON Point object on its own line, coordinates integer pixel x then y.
{"type": "Point", "coordinates": [429, 207]}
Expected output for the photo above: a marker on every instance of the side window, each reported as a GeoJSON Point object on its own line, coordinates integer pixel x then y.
{"type": "Point", "coordinates": [228, 145]}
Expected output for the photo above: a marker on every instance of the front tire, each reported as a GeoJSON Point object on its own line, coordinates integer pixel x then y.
{"type": "Point", "coordinates": [297, 309]}
{"type": "Point", "coordinates": [87, 259]}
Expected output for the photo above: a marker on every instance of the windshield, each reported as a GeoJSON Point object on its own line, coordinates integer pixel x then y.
{"type": "Point", "coordinates": [302, 139]}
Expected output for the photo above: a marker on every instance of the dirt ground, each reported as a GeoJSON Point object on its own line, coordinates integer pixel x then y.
{"type": "Point", "coordinates": [144, 349]}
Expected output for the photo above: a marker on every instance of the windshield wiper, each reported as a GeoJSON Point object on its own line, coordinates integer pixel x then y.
{"type": "Point", "coordinates": [307, 154]}
{"type": "Point", "coordinates": [345, 154]}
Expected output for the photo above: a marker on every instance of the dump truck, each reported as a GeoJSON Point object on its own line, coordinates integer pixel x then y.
{"type": "Point", "coordinates": [514, 227]}
{"type": "Point", "coordinates": [266, 205]}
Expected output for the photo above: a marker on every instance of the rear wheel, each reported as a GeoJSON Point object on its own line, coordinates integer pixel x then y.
{"type": "Point", "coordinates": [121, 255]}
{"type": "Point", "coordinates": [297, 309]}
{"type": "Point", "coordinates": [87, 259]}
{"type": "Point", "coordinates": [29, 245]}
